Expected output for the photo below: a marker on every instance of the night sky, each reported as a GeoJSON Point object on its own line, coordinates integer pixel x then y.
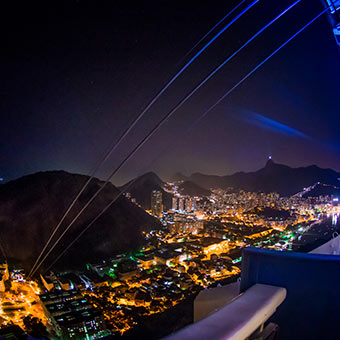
{"type": "Point", "coordinates": [74, 74]}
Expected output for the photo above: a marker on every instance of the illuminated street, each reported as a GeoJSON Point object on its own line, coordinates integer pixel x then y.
{"type": "Point", "coordinates": [21, 300]}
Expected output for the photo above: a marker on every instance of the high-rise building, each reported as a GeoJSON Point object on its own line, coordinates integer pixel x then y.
{"type": "Point", "coordinates": [72, 316]}
{"type": "Point", "coordinates": [189, 205]}
{"type": "Point", "coordinates": [181, 204]}
{"type": "Point", "coordinates": [4, 270]}
{"type": "Point", "coordinates": [175, 203]}
{"type": "Point", "coordinates": [4, 276]}
{"type": "Point", "coordinates": [186, 227]}
{"type": "Point", "coordinates": [157, 203]}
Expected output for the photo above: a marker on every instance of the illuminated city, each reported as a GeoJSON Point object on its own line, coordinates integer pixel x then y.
{"type": "Point", "coordinates": [170, 170]}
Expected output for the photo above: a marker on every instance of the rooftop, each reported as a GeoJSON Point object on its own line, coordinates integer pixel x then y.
{"type": "Point", "coordinates": [293, 292]}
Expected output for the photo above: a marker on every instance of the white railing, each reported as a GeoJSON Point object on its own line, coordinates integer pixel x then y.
{"type": "Point", "coordinates": [211, 300]}
{"type": "Point", "coordinates": [239, 319]}
{"type": "Point", "coordinates": [331, 247]}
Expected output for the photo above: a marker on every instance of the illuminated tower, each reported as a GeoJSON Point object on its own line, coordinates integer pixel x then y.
{"type": "Point", "coordinates": [181, 204]}
{"type": "Point", "coordinates": [175, 203]}
{"type": "Point", "coordinates": [157, 203]}
{"type": "Point", "coordinates": [188, 205]}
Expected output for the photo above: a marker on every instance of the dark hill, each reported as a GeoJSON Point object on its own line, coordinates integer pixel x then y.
{"type": "Point", "coordinates": [192, 189]}
{"type": "Point", "coordinates": [141, 188]}
{"type": "Point", "coordinates": [177, 177]}
{"type": "Point", "coordinates": [323, 190]}
{"type": "Point", "coordinates": [31, 206]}
{"type": "Point", "coordinates": [272, 178]}
{"type": "Point", "coordinates": [268, 212]}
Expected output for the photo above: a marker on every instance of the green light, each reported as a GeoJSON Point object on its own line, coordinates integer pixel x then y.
{"type": "Point", "coordinates": [87, 336]}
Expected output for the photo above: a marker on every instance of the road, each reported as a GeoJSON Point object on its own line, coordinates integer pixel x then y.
{"type": "Point", "coordinates": [317, 233]}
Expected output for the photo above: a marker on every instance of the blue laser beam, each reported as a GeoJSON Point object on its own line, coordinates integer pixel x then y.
{"type": "Point", "coordinates": [224, 18]}
{"type": "Point", "coordinates": [260, 65]}
{"type": "Point", "coordinates": [238, 51]}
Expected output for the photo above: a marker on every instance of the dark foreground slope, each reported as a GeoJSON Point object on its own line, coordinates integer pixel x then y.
{"type": "Point", "coordinates": [31, 206]}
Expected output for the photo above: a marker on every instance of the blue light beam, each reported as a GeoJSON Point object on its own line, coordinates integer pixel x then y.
{"type": "Point", "coordinates": [264, 122]}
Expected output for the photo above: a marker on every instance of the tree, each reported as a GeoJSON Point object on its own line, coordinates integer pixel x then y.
{"type": "Point", "coordinates": [35, 327]}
